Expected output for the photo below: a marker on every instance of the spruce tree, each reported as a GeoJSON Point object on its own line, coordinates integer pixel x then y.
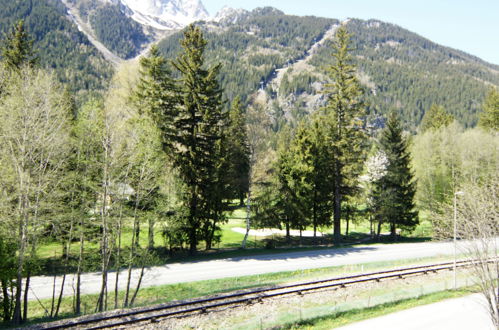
{"type": "Point", "coordinates": [397, 187]}
{"type": "Point", "coordinates": [154, 95]}
{"type": "Point", "coordinates": [239, 153]}
{"type": "Point", "coordinates": [489, 118]}
{"type": "Point", "coordinates": [343, 114]}
{"type": "Point", "coordinates": [199, 125]}
{"type": "Point", "coordinates": [18, 48]}
{"type": "Point", "coordinates": [312, 173]}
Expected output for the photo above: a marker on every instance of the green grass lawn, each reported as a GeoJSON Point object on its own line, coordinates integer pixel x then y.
{"type": "Point", "coordinates": [51, 261]}
{"type": "Point", "coordinates": [182, 291]}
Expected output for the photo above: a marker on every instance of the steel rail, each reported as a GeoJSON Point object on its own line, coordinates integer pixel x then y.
{"type": "Point", "coordinates": [257, 295]}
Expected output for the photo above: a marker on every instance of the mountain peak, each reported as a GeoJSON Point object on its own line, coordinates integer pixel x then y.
{"type": "Point", "coordinates": [166, 14]}
{"type": "Point", "coordinates": [230, 15]}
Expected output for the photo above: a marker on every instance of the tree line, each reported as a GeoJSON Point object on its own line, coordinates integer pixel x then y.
{"type": "Point", "coordinates": [154, 150]}
{"type": "Point", "coordinates": [315, 179]}
{"type": "Point", "coordinates": [163, 149]}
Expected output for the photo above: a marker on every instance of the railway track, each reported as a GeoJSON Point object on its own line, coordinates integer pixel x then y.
{"type": "Point", "coordinates": [193, 307]}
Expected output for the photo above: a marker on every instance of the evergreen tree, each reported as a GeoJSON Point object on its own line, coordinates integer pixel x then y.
{"type": "Point", "coordinates": [321, 175]}
{"type": "Point", "coordinates": [199, 124]}
{"type": "Point", "coordinates": [435, 118]}
{"type": "Point", "coordinates": [312, 174]}
{"type": "Point", "coordinates": [343, 113]}
{"type": "Point", "coordinates": [239, 153]}
{"type": "Point", "coordinates": [18, 48]}
{"type": "Point", "coordinates": [155, 94]}
{"type": "Point", "coordinates": [397, 187]}
{"type": "Point", "coordinates": [489, 119]}
{"type": "Point", "coordinates": [291, 204]}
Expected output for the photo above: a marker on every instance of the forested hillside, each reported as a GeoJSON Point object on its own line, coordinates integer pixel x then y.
{"type": "Point", "coordinates": [119, 33]}
{"type": "Point", "coordinates": [58, 43]}
{"type": "Point", "coordinates": [253, 49]}
{"type": "Point", "coordinates": [400, 70]}
{"type": "Point", "coordinates": [409, 74]}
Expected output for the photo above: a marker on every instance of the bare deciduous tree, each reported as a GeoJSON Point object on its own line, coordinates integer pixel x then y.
{"type": "Point", "coordinates": [477, 224]}
{"type": "Point", "coordinates": [33, 145]}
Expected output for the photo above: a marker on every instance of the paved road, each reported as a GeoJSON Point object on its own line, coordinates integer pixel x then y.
{"type": "Point", "coordinates": [467, 313]}
{"type": "Point", "coordinates": [41, 286]}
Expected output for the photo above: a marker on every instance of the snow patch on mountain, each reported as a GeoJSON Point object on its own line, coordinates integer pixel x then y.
{"type": "Point", "coordinates": [166, 14]}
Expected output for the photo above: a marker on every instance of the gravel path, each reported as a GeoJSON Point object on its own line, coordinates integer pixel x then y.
{"type": "Point", "coordinates": [41, 286]}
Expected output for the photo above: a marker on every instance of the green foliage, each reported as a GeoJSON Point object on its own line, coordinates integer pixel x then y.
{"type": "Point", "coordinates": [17, 50]}
{"type": "Point", "coordinates": [314, 175]}
{"type": "Point", "coordinates": [489, 118]}
{"type": "Point", "coordinates": [7, 275]}
{"type": "Point", "coordinates": [33, 146]}
{"type": "Point", "coordinates": [342, 114]}
{"type": "Point", "coordinates": [397, 188]}
{"type": "Point", "coordinates": [263, 41]}
{"type": "Point", "coordinates": [58, 43]}
{"type": "Point", "coordinates": [435, 118]}
{"type": "Point", "coordinates": [407, 73]}
{"type": "Point", "coordinates": [238, 152]}
{"type": "Point", "coordinates": [445, 158]}
{"type": "Point", "coordinates": [401, 71]}
{"type": "Point", "coordinates": [116, 31]}
{"type": "Point", "coordinates": [154, 94]}
{"type": "Point", "coordinates": [199, 143]}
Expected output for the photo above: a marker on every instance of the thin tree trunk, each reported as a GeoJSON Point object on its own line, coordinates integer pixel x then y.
{"type": "Point", "coordinates": [137, 235]}
{"type": "Point", "coordinates": [26, 294]}
{"type": "Point", "coordinates": [101, 306]}
{"type": "Point", "coordinates": [127, 290]}
{"type": "Point", "coordinates": [118, 257]}
{"type": "Point", "coordinates": [77, 308]}
{"type": "Point", "coordinates": [150, 244]}
{"type": "Point", "coordinates": [52, 306]}
{"type": "Point", "coordinates": [248, 214]}
{"type": "Point", "coordinates": [371, 229]}
{"type": "Point", "coordinates": [314, 216]}
{"type": "Point", "coordinates": [337, 214]}
{"type": "Point", "coordinates": [138, 286]}
{"type": "Point", "coordinates": [6, 300]}
{"type": "Point", "coordinates": [133, 248]}
{"type": "Point", "coordinates": [193, 240]}
{"type": "Point", "coordinates": [393, 231]}
{"type": "Point", "coordinates": [211, 235]}
{"type": "Point", "coordinates": [19, 276]}
{"type": "Point", "coordinates": [59, 300]}
{"type": "Point", "coordinates": [288, 232]}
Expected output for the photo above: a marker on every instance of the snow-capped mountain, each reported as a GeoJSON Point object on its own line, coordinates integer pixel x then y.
{"type": "Point", "coordinates": [165, 14]}
{"type": "Point", "coordinates": [228, 15]}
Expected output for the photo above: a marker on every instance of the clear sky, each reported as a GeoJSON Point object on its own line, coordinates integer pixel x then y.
{"type": "Point", "coordinates": [468, 25]}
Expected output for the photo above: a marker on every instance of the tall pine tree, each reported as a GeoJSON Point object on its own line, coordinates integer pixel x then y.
{"type": "Point", "coordinates": [17, 48]}
{"type": "Point", "coordinates": [199, 125]}
{"type": "Point", "coordinates": [397, 186]}
{"type": "Point", "coordinates": [343, 114]}
{"type": "Point", "coordinates": [155, 95]}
